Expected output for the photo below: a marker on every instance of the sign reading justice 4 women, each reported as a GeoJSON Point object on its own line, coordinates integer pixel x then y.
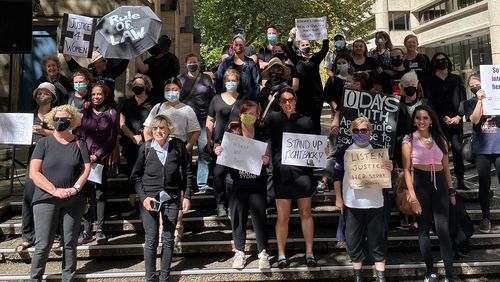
{"type": "Point", "coordinates": [304, 150]}
{"type": "Point", "coordinates": [78, 35]}
{"type": "Point", "coordinates": [380, 109]}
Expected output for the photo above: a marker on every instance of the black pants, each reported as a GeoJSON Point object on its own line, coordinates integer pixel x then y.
{"type": "Point", "coordinates": [241, 199]}
{"type": "Point", "coordinates": [220, 184]}
{"type": "Point", "coordinates": [366, 224]}
{"type": "Point", "coordinates": [28, 222]}
{"type": "Point", "coordinates": [435, 205]}
{"type": "Point", "coordinates": [455, 135]}
{"type": "Point", "coordinates": [483, 166]}
{"type": "Point", "coordinates": [130, 153]}
{"type": "Point", "coordinates": [97, 200]}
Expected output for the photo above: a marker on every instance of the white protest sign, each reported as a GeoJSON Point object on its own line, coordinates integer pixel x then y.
{"type": "Point", "coordinates": [311, 29]}
{"type": "Point", "coordinates": [365, 168]}
{"type": "Point", "coordinates": [242, 153]}
{"type": "Point", "coordinates": [78, 35]}
{"type": "Point", "coordinates": [490, 82]}
{"type": "Point", "coordinates": [16, 128]}
{"type": "Point", "coordinates": [304, 150]}
{"type": "Point", "coordinates": [96, 173]}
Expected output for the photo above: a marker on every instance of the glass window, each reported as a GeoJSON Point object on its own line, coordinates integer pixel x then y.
{"type": "Point", "coordinates": [399, 21]}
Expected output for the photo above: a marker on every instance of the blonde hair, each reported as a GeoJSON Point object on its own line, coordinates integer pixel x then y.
{"type": "Point", "coordinates": [361, 120]}
{"type": "Point", "coordinates": [76, 117]}
{"type": "Point", "coordinates": [232, 72]}
{"type": "Point", "coordinates": [160, 121]}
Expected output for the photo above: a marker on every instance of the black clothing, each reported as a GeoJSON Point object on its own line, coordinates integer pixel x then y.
{"type": "Point", "coordinates": [446, 95]}
{"type": "Point", "coordinates": [62, 172]}
{"type": "Point", "coordinates": [135, 115]}
{"type": "Point", "coordinates": [34, 136]}
{"type": "Point", "coordinates": [389, 79]}
{"type": "Point", "coordinates": [421, 65]}
{"type": "Point", "coordinates": [114, 68]}
{"type": "Point", "coordinates": [63, 87]}
{"type": "Point", "coordinates": [290, 182]}
{"type": "Point", "coordinates": [334, 89]}
{"type": "Point", "coordinates": [161, 69]}
{"type": "Point", "coordinates": [370, 66]}
{"type": "Point", "coordinates": [248, 87]}
{"type": "Point", "coordinates": [79, 103]}
{"type": "Point", "coordinates": [151, 176]}
{"type": "Point", "coordinates": [223, 114]}
{"type": "Point", "coordinates": [200, 98]}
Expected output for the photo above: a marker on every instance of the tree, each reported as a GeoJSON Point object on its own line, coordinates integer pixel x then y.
{"type": "Point", "coordinates": [215, 19]}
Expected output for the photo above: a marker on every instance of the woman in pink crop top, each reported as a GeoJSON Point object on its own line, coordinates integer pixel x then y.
{"type": "Point", "coordinates": [427, 175]}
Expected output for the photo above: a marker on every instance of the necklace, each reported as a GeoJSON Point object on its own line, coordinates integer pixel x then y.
{"type": "Point", "coordinates": [426, 140]}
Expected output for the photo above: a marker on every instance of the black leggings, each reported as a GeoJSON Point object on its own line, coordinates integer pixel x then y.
{"type": "Point", "coordinates": [483, 166]}
{"type": "Point", "coordinates": [435, 205]}
{"type": "Point", "coordinates": [454, 134]}
{"type": "Point", "coordinates": [241, 199]}
{"type": "Point", "coordinates": [220, 194]}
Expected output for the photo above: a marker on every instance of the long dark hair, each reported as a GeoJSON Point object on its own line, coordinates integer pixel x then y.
{"type": "Point", "coordinates": [433, 61]}
{"type": "Point", "coordinates": [435, 130]}
{"type": "Point", "coordinates": [235, 126]}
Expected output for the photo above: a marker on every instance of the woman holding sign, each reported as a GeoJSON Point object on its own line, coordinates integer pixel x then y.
{"type": "Point", "coordinates": [291, 182]}
{"type": "Point", "coordinates": [248, 191]}
{"type": "Point", "coordinates": [160, 175]}
{"type": "Point", "coordinates": [363, 208]}
{"type": "Point", "coordinates": [427, 176]}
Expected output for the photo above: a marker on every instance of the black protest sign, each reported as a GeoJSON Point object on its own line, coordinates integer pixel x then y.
{"type": "Point", "coordinates": [380, 109]}
{"type": "Point", "coordinates": [77, 36]}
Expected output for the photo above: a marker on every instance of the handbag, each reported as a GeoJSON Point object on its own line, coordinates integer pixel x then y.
{"type": "Point", "coordinates": [402, 193]}
{"type": "Point", "coordinates": [467, 149]}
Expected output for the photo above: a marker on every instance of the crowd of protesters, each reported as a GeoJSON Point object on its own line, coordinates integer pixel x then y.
{"type": "Point", "coordinates": [259, 96]}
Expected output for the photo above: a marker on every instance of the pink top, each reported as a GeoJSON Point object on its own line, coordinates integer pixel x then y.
{"type": "Point", "coordinates": [422, 155]}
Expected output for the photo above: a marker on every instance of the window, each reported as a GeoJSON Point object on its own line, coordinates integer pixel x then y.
{"type": "Point", "coordinates": [399, 21]}
{"type": "Point", "coordinates": [432, 13]}
{"type": "Point", "coordinates": [464, 3]}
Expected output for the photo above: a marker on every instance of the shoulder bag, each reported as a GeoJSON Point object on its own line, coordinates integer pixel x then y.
{"type": "Point", "coordinates": [402, 195]}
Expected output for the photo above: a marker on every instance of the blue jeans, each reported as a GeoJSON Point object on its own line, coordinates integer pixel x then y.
{"type": "Point", "coordinates": [151, 222]}
{"type": "Point", "coordinates": [203, 157]}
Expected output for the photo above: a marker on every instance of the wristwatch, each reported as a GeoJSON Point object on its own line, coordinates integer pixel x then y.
{"type": "Point", "coordinates": [77, 187]}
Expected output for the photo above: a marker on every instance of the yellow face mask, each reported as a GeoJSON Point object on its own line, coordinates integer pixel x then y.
{"type": "Point", "coordinates": [248, 119]}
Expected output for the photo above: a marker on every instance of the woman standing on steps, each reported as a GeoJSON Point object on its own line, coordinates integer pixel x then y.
{"type": "Point", "coordinates": [427, 176]}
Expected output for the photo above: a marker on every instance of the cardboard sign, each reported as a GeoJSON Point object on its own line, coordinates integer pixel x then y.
{"type": "Point", "coordinates": [311, 29]}
{"type": "Point", "coordinates": [490, 83]}
{"type": "Point", "coordinates": [382, 111]}
{"type": "Point", "coordinates": [78, 35]}
{"type": "Point", "coordinates": [242, 153]}
{"type": "Point", "coordinates": [16, 128]}
{"type": "Point", "coordinates": [304, 149]}
{"type": "Point", "coordinates": [365, 168]}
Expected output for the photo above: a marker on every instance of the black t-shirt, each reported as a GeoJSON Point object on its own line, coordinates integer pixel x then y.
{"type": "Point", "coordinates": [63, 172]}
{"type": "Point", "coordinates": [135, 115]}
{"type": "Point", "coordinates": [200, 97]}
{"type": "Point", "coordinates": [161, 69]}
{"type": "Point", "coordinates": [420, 65]}
{"type": "Point", "coordinates": [389, 79]}
{"type": "Point", "coordinates": [265, 54]}
{"type": "Point", "coordinates": [370, 66]}
{"type": "Point", "coordinates": [223, 113]}
{"type": "Point", "coordinates": [334, 89]}
{"type": "Point", "coordinates": [445, 95]}
{"type": "Point", "coordinates": [239, 68]}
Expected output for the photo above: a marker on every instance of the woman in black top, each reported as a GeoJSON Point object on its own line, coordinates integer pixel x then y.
{"type": "Point", "coordinates": [360, 61]}
{"type": "Point", "coordinates": [415, 60]}
{"type": "Point", "coordinates": [57, 198]}
{"type": "Point", "coordinates": [382, 53]}
{"type": "Point", "coordinates": [310, 94]}
{"type": "Point", "coordinates": [161, 176]}
{"type": "Point", "coordinates": [51, 73]}
{"type": "Point", "coordinates": [291, 182]}
{"type": "Point", "coordinates": [266, 51]}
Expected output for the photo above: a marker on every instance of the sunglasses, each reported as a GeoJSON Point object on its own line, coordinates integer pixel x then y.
{"type": "Point", "coordinates": [443, 60]}
{"type": "Point", "coordinates": [284, 101]}
{"type": "Point", "coordinates": [61, 118]}
{"type": "Point", "coordinates": [358, 130]}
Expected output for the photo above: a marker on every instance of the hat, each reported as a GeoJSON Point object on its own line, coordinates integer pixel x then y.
{"type": "Point", "coordinates": [96, 56]}
{"type": "Point", "coordinates": [46, 85]}
{"type": "Point", "coordinates": [275, 62]}
{"type": "Point", "coordinates": [164, 43]}
{"type": "Point", "coordinates": [339, 35]}
{"type": "Point", "coordinates": [238, 28]}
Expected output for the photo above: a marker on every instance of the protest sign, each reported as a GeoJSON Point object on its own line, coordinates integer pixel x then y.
{"type": "Point", "coordinates": [380, 109]}
{"type": "Point", "coordinates": [490, 82]}
{"type": "Point", "coordinates": [78, 35]}
{"type": "Point", "coordinates": [96, 173]}
{"type": "Point", "coordinates": [365, 168]}
{"type": "Point", "coordinates": [242, 153]}
{"type": "Point", "coordinates": [16, 128]}
{"type": "Point", "coordinates": [311, 29]}
{"type": "Point", "coordinates": [304, 150]}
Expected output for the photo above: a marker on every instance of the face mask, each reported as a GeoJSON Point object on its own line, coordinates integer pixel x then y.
{"type": "Point", "coordinates": [138, 89]}
{"type": "Point", "coordinates": [473, 89]}
{"type": "Point", "coordinates": [275, 76]}
{"type": "Point", "coordinates": [247, 119]}
{"type": "Point", "coordinates": [441, 65]}
{"type": "Point", "coordinates": [231, 85]}
{"type": "Point", "coordinates": [80, 86]}
{"type": "Point", "coordinates": [272, 38]}
{"type": "Point", "coordinates": [172, 96]}
{"type": "Point", "coordinates": [43, 100]}
{"type": "Point", "coordinates": [281, 56]}
{"type": "Point", "coordinates": [342, 67]}
{"type": "Point", "coordinates": [396, 62]}
{"type": "Point", "coordinates": [339, 44]}
{"type": "Point", "coordinates": [238, 50]}
{"type": "Point", "coordinates": [305, 50]}
{"type": "Point", "coordinates": [380, 41]}
{"type": "Point", "coordinates": [361, 138]}
{"type": "Point", "coordinates": [410, 91]}
{"type": "Point", "coordinates": [61, 125]}
{"type": "Point", "coordinates": [192, 67]}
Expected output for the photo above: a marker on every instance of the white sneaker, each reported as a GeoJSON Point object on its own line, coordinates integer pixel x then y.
{"type": "Point", "coordinates": [264, 260]}
{"type": "Point", "coordinates": [239, 260]}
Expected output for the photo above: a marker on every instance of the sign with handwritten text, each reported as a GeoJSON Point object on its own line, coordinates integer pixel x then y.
{"type": "Point", "coordinates": [311, 29]}
{"type": "Point", "coordinates": [242, 153]}
{"type": "Point", "coordinates": [365, 168]}
{"type": "Point", "coordinates": [78, 35]}
{"type": "Point", "coordinates": [16, 128]}
{"type": "Point", "coordinates": [490, 83]}
{"type": "Point", "coordinates": [304, 150]}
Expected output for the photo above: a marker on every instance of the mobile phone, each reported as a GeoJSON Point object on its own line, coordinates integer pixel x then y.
{"type": "Point", "coordinates": [155, 205]}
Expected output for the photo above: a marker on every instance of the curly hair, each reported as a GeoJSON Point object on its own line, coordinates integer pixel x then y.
{"type": "Point", "coordinates": [76, 117]}
{"type": "Point", "coordinates": [53, 58]}
{"type": "Point", "coordinates": [148, 84]}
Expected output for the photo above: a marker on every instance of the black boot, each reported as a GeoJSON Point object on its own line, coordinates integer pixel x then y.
{"type": "Point", "coordinates": [461, 185]}
{"type": "Point", "coordinates": [380, 275]}
{"type": "Point", "coordinates": [358, 275]}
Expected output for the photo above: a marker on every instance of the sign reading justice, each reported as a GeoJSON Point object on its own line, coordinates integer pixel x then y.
{"type": "Point", "coordinates": [365, 168]}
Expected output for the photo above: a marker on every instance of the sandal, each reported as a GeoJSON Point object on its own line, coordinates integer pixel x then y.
{"type": "Point", "coordinates": [24, 246]}
{"type": "Point", "coordinates": [282, 263]}
{"type": "Point", "coordinates": [311, 261]}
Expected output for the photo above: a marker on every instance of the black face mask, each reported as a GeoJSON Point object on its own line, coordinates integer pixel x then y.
{"type": "Point", "coordinates": [410, 91]}
{"type": "Point", "coordinates": [281, 56]}
{"type": "Point", "coordinates": [61, 125]}
{"type": "Point", "coordinates": [475, 89]}
{"type": "Point", "coordinates": [441, 65]}
{"type": "Point", "coordinates": [275, 77]}
{"type": "Point", "coordinates": [138, 90]}
{"type": "Point", "coordinates": [396, 62]}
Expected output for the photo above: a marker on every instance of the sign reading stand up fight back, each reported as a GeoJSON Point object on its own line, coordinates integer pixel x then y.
{"type": "Point", "coordinates": [380, 109]}
{"type": "Point", "coordinates": [78, 35]}
{"type": "Point", "coordinates": [304, 150]}
{"type": "Point", "coordinates": [490, 82]}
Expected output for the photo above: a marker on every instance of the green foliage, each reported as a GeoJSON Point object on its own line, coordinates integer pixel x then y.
{"type": "Point", "coordinates": [215, 18]}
